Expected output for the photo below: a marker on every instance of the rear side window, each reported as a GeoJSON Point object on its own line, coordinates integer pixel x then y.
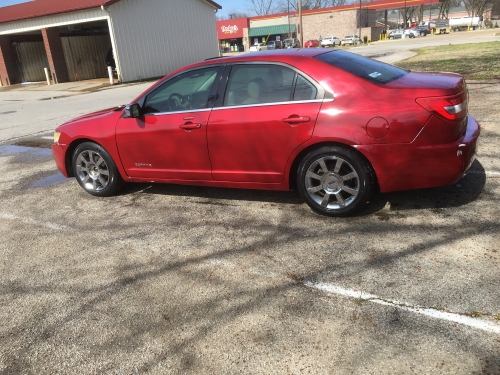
{"type": "Point", "coordinates": [363, 67]}
{"type": "Point", "coordinates": [259, 84]}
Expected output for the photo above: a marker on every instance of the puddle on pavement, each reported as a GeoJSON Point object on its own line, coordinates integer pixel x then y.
{"type": "Point", "coordinates": [37, 143]}
{"type": "Point", "coordinates": [8, 150]}
{"type": "Point", "coordinates": [57, 97]}
{"type": "Point", "coordinates": [54, 179]}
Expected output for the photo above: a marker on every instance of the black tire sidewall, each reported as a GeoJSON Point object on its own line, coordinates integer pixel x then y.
{"type": "Point", "coordinates": [362, 167]}
{"type": "Point", "coordinates": [115, 180]}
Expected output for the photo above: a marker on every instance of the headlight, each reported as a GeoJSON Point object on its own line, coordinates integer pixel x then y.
{"type": "Point", "coordinates": [56, 136]}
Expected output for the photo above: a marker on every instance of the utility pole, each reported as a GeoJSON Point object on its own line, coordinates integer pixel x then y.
{"type": "Point", "coordinates": [289, 35]}
{"type": "Point", "coordinates": [300, 25]}
{"type": "Point", "coordinates": [359, 19]}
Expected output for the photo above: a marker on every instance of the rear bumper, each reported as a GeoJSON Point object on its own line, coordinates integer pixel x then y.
{"type": "Point", "coordinates": [407, 166]}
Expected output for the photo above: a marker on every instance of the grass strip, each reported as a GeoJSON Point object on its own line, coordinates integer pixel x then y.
{"type": "Point", "coordinates": [473, 60]}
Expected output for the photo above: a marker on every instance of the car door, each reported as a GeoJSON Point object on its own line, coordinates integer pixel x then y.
{"type": "Point", "coordinates": [169, 139]}
{"type": "Point", "coordinates": [263, 114]}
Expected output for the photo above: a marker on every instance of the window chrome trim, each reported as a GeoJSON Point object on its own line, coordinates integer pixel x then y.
{"type": "Point", "coordinates": [321, 91]}
{"type": "Point", "coordinates": [270, 104]}
{"type": "Point", "coordinates": [178, 112]}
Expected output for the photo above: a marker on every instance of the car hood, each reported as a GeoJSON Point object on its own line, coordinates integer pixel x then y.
{"type": "Point", "coordinates": [94, 115]}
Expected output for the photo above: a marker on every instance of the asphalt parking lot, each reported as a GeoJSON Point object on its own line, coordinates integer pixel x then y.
{"type": "Point", "coordinates": [178, 279]}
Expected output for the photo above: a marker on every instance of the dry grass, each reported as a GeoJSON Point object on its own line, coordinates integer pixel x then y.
{"type": "Point", "coordinates": [473, 61]}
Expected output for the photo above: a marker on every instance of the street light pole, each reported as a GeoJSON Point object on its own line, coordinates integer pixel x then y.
{"type": "Point", "coordinates": [300, 25]}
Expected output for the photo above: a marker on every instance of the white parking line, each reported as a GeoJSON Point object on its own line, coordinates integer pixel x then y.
{"type": "Point", "coordinates": [482, 324]}
{"type": "Point", "coordinates": [487, 173]}
{"type": "Point", "coordinates": [33, 222]}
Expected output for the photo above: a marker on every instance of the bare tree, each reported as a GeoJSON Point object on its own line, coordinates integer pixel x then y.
{"type": "Point", "coordinates": [261, 7]}
{"type": "Point", "coordinates": [495, 9]}
{"type": "Point", "coordinates": [232, 15]}
{"type": "Point", "coordinates": [476, 8]}
{"type": "Point", "coordinates": [444, 8]}
{"type": "Point", "coordinates": [285, 5]}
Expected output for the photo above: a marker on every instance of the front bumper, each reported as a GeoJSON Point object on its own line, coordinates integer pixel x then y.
{"type": "Point", "coordinates": [59, 153]}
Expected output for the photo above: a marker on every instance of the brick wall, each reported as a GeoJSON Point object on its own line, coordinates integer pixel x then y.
{"type": "Point", "coordinates": [55, 55]}
{"type": "Point", "coordinates": [338, 24]}
{"type": "Point", "coordinates": [9, 73]}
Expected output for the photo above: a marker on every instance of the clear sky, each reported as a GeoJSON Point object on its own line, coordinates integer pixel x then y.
{"type": "Point", "coordinates": [230, 6]}
{"type": "Point", "coordinates": [4, 3]}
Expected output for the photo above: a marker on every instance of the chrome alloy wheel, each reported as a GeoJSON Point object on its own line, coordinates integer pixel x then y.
{"type": "Point", "coordinates": [92, 170]}
{"type": "Point", "coordinates": [332, 182]}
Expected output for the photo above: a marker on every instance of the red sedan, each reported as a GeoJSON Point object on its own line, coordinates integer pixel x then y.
{"type": "Point", "coordinates": [332, 124]}
{"type": "Point", "coordinates": [312, 43]}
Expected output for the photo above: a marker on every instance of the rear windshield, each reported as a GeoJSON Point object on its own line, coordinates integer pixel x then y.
{"type": "Point", "coordinates": [363, 67]}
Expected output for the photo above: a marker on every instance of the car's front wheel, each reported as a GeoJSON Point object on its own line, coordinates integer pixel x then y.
{"type": "Point", "coordinates": [423, 34]}
{"type": "Point", "coordinates": [95, 170]}
{"type": "Point", "coordinates": [335, 181]}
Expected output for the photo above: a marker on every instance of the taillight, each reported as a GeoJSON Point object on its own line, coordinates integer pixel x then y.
{"type": "Point", "coordinates": [450, 108]}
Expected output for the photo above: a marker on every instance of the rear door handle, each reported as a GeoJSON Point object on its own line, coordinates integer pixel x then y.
{"type": "Point", "coordinates": [296, 119]}
{"type": "Point", "coordinates": [190, 126]}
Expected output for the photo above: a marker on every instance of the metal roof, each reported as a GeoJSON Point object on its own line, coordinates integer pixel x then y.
{"type": "Point", "coordinates": [40, 8]}
{"type": "Point", "coordinates": [272, 30]}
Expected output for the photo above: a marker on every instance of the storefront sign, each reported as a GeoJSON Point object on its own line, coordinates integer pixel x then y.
{"type": "Point", "coordinates": [231, 29]}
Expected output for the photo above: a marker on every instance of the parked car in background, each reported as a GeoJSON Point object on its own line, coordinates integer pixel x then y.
{"type": "Point", "coordinates": [423, 30]}
{"type": "Point", "coordinates": [274, 44]}
{"type": "Point", "coordinates": [396, 34]}
{"type": "Point", "coordinates": [258, 47]}
{"type": "Point", "coordinates": [351, 39]}
{"type": "Point", "coordinates": [312, 43]}
{"type": "Point", "coordinates": [291, 43]}
{"type": "Point", "coordinates": [278, 121]}
{"type": "Point", "coordinates": [331, 41]}
{"type": "Point", "coordinates": [410, 33]}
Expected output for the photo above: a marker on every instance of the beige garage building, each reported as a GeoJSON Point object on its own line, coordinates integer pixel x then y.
{"type": "Point", "coordinates": [149, 38]}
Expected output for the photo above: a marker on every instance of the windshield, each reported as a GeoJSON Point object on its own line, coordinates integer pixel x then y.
{"type": "Point", "coordinates": [363, 67]}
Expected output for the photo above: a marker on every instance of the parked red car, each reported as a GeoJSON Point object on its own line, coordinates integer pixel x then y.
{"type": "Point", "coordinates": [332, 124]}
{"type": "Point", "coordinates": [312, 43]}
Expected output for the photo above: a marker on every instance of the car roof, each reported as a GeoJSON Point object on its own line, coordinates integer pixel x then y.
{"type": "Point", "coordinates": [285, 55]}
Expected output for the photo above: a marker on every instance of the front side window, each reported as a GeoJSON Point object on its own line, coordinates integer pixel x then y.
{"type": "Point", "coordinates": [185, 92]}
{"type": "Point", "coordinates": [259, 84]}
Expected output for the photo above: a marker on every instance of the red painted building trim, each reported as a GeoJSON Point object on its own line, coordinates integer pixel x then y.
{"type": "Point", "coordinates": [377, 5]}
{"type": "Point", "coordinates": [41, 8]}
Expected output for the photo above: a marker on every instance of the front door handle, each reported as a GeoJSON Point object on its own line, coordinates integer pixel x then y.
{"type": "Point", "coordinates": [294, 119]}
{"type": "Point", "coordinates": [190, 126]}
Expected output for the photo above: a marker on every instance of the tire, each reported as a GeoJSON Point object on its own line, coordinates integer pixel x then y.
{"type": "Point", "coordinates": [95, 170]}
{"type": "Point", "coordinates": [391, 37]}
{"type": "Point", "coordinates": [423, 34]}
{"type": "Point", "coordinates": [321, 181]}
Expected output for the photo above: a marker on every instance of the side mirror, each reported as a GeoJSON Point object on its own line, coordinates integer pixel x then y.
{"type": "Point", "coordinates": [133, 110]}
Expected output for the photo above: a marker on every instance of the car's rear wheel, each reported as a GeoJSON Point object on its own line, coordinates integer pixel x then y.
{"type": "Point", "coordinates": [335, 181]}
{"type": "Point", "coordinates": [95, 170]}
{"type": "Point", "coordinates": [422, 33]}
